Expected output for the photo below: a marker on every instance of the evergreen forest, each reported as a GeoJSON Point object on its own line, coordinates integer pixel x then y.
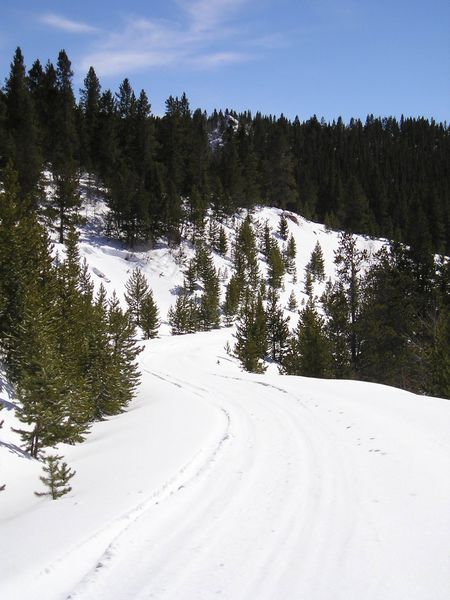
{"type": "Point", "coordinates": [382, 177]}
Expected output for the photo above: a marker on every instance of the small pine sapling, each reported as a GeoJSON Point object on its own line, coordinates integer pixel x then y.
{"type": "Point", "coordinates": [57, 478]}
{"type": "Point", "coordinates": [292, 302]}
{"type": "Point", "coordinates": [316, 265]}
{"type": "Point", "coordinates": [283, 228]}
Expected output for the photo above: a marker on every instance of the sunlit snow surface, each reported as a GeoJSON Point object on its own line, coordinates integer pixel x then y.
{"type": "Point", "coordinates": [221, 484]}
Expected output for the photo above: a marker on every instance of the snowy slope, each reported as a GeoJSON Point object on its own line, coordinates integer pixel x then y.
{"type": "Point", "coordinates": [219, 483]}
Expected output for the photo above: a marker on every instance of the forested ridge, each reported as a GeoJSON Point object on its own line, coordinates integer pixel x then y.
{"type": "Point", "coordinates": [384, 177]}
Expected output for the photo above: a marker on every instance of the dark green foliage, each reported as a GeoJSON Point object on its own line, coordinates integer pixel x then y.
{"type": "Point", "coordinates": [309, 352]}
{"type": "Point", "coordinates": [149, 316]}
{"type": "Point", "coordinates": [124, 352]}
{"type": "Point", "coordinates": [232, 299]}
{"type": "Point", "coordinates": [335, 305]}
{"type": "Point", "coordinates": [222, 245]}
{"type": "Point", "coordinates": [208, 310]}
{"type": "Point", "coordinates": [277, 327]}
{"type": "Point", "coordinates": [266, 240]}
{"type": "Point", "coordinates": [163, 172]}
{"type": "Point", "coordinates": [71, 358]}
{"type": "Point", "coordinates": [357, 218]}
{"type": "Point", "coordinates": [289, 257]}
{"type": "Point", "coordinates": [183, 317]}
{"type": "Point", "coordinates": [439, 376]}
{"type": "Point", "coordinates": [276, 266]}
{"type": "Point", "coordinates": [246, 255]}
{"type": "Point", "coordinates": [209, 313]}
{"type": "Point", "coordinates": [316, 265]}
{"type": "Point", "coordinates": [90, 122]}
{"type": "Point", "coordinates": [57, 478]}
{"type": "Point", "coordinates": [349, 262]}
{"type": "Point", "coordinates": [308, 283]}
{"type": "Point", "coordinates": [190, 277]}
{"type": "Point", "coordinates": [64, 160]}
{"type": "Point", "coordinates": [283, 227]}
{"type": "Point", "coordinates": [292, 302]}
{"type": "Point", "coordinates": [21, 140]}
{"type": "Point", "coordinates": [136, 290]}
{"type": "Point", "coordinates": [251, 335]}
{"type": "Point", "coordinates": [386, 324]}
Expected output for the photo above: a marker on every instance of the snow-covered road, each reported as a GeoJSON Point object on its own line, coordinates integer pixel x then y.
{"type": "Point", "coordinates": [290, 489]}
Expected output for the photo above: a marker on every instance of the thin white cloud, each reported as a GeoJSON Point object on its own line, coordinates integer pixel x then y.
{"type": "Point", "coordinates": [206, 35]}
{"type": "Point", "coordinates": [67, 25]}
{"type": "Point", "coordinates": [218, 59]}
{"type": "Point", "coordinates": [113, 62]}
{"type": "Point", "coordinates": [206, 15]}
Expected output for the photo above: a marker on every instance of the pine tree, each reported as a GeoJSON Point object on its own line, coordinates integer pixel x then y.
{"type": "Point", "coordinates": [65, 167]}
{"type": "Point", "coordinates": [52, 398]}
{"type": "Point", "coordinates": [222, 246]}
{"type": "Point", "coordinates": [289, 257]}
{"type": "Point", "coordinates": [308, 282]}
{"type": "Point", "coordinates": [283, 227]}
{"type": "Point", "coordinates": [197, 214]}
{"type": "Point", "coordinates": [316, 265]}
{"type": "Point", "coordinates": [277, 327]}
{"type": "Point", "coordinates": [209, 313]}
{"type": "Point", "coordinates": [309, 352]}
{"type": "Point", "coordinates": [208, 310]}
{"type": "Point", "coordinates": [266, 240]}
{"type": "Point", "coordinates": [190, 277]}
{"type": "Point", "coordinates": [358, 217]}
{"type": "Point", "coordinates": [124, 352]}
{"type": "Point", "coordinates": [149, 316]}
{"type": "Point", "coordinates": [22, 130]}
{"type": "Point", "coordinates": [136, 290]}
{"type": "Point", "coordinates": [394, 340]}
{"type": "Point", "coordinates": [246, 255]}
{"type": "Point", "coordinates": [335, 305]}
{"type": "Point", "coordinates": [183, 317]}
{"type": "Point", "coordinates": [349, 262]}
{"type": "Point", "coordinates": [232, 299]}
{"type": "Point", "coordinates": [251, 335]}
{"type": "Point", "coordinates": [95, 360]}
{"type": "Point", "coordinates": [276, 266]}
{"type": "Point", "coordinates": [90, 109]}
{"type": "Point", "coordinates": [279, 168]}
{"type": "Point", "coordinates": [57, 478]}
{"type": "Point", "coordinates": [292, 302]}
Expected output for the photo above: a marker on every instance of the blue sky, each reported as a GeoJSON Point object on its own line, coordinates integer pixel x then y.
{"type": "Point", "coordinates": [298, 57]}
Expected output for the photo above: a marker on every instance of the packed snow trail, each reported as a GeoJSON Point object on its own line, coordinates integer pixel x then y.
{"type": "Point", "coordinates": [309, 489]}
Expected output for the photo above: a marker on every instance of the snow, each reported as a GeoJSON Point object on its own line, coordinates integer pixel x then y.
{"type": "Point", "coordinates": [219, 483]}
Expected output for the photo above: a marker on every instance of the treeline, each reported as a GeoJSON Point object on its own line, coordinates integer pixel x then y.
{"type": "Point", "coordinates": [383, 177]}
{"type": "Point", "coordinates": [384, 319]}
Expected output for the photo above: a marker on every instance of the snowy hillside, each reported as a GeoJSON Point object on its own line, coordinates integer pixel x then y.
{"type": "Point", "coordinates": [216, 483]}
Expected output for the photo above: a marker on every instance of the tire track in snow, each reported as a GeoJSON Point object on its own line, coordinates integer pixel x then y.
{"type": "Point", "coordinates": [261, 497]}
{"type": "Point", "coordinates": [194, 468]}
